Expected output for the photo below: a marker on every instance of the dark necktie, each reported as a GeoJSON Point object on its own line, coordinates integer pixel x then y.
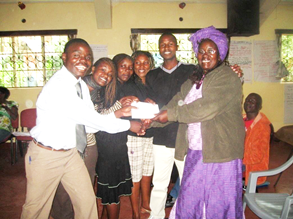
{"type": "Point", "coordinates": [80, 129]}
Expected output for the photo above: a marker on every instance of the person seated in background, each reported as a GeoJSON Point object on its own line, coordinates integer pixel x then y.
{"type": "Point", "coordinates": [8, 112]}
{"type": "Point", "coordinates": [257, 139]}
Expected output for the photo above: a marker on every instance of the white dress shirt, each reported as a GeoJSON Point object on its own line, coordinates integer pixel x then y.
{"type": "Point", "coordinates": [59, 109]}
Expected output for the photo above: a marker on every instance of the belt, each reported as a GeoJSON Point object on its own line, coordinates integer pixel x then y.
{"type": "Point", "coordinates": [47, 147]}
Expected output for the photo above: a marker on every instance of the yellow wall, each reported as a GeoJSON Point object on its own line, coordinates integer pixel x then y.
{"type": "Point", "coordinates": [81, 16]}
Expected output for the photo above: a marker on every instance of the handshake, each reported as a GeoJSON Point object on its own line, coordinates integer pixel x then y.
{"type": "Point", "coordinates": [147, 112]}
{"type": "Point", "coordinates": [161, 117]}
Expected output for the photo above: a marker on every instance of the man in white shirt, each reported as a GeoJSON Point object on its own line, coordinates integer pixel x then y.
{"type": "Point", "coordinates": [52, 156]}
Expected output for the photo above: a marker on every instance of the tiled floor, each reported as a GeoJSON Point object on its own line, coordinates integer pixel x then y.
{"type": "Point", "coordinates": [13, 183]}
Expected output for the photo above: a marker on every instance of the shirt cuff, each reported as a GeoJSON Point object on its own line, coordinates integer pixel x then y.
{"type": "Point", "coordinates": [122, 124]}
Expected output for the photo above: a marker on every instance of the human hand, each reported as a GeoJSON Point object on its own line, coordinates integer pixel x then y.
{"type": "Point", "coordinates": [126, 101]}
{"type": "Point", "coordinates": [6, 108]}
{"type": "Point", "coordinates": [148, 100]}
{"type": "Point", "coordinates": [4, 105]}
{"type": "Point", "coordinates": [161, 117]}
{"type": "Point", "coordinates": [13, 112]}
{"type": "Point", "coordinates": [124, 111]}
{"type": "Point", "coordinates": [146, 123]}
{"type": "Point", "coordinates": [237, 69]}
{"type": "Point", "coordinates": [137, 127]}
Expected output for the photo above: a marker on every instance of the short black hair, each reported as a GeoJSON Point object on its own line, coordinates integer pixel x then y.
{"type": "Point", "coordinates": [5, 91]}
{"type": "Point", "coordinates": [119, 57]}
{"type": "Point", "coordinates": [147, 54]}
{"type": "Point", "coordinates": [73, 41]}
{"type": "Point", "coordinates": [168, 34]}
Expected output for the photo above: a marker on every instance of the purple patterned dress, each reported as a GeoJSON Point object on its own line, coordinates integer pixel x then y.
{"type": "Point", "coordinates": [208, 190]}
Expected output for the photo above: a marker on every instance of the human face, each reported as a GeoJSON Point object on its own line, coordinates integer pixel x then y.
{"type": "Point", "coordinates": [125, 70]}
{"type": "Point", "coordinates": [103, 74]}
{"type": "Point", "coordinates": [142, 66]}
{"type": "Point", "coordinates": [2, 97]}
{"type": "Point", "coordinates": [168, 47]}
{"type": "Point", "coordinates": [78, 59]}
{"type": "Point", "coordinates": [251, 104]}
{"type": "Point", "coordinates": [208, 55]}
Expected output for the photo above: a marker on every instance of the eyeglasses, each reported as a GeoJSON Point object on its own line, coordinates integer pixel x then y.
{"type": "Point", "coordinates": [210, 51]}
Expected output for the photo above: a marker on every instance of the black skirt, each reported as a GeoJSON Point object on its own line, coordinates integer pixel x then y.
{"type": "Point", "coordinates": [113, 170]}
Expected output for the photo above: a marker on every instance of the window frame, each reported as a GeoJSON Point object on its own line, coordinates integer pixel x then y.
{"type": "Point", "coordinates": [282, 69]}
{"type": "Point", "coordinates": [70, 33]}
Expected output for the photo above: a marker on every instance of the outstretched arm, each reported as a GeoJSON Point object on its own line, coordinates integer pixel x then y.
{"type": "Point", "coordinates": [161, 117]}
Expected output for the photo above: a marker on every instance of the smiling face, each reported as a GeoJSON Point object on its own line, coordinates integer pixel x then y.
{"type": "Point", "coordinates": [252, 104]}
{"type": "Point", "coordinates": [103, 74]}
{"type": "Point", "coordinates": [168, 47]}
{"type": "Point", "coordinates": [125, 70]}
{"type": "Point", "coordinates": [208, 55]}
{"type": "Point", "coordinates": [142, 66]}
{"type": "Point", "coordinates": [78, 59]}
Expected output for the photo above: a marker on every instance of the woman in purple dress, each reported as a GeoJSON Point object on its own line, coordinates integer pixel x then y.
{"type": "Point", "coordinates": [210, 104]}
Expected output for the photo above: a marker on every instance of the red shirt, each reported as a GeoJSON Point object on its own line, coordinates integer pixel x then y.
{"type": "Point", "coordinates": [247, 123]}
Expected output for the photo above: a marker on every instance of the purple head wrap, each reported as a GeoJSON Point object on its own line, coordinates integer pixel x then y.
{"type": "Point", "coordinates": [213, 34]}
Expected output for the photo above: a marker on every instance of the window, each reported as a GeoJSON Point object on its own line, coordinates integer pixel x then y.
{"type": "Point", "coordinates": [287, 55]}
{"type": "Point", "coordinates": [285, 38]}
{"type": "Point", "coordinates": [30, 58]}
{"type": "Point", "coordinates": [149, 42]}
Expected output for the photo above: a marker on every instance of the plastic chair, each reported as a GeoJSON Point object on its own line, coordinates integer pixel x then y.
{"type": "Point", "coordinates": [268, 205]}
{"type": "Point", "coordinates": [27, 122]}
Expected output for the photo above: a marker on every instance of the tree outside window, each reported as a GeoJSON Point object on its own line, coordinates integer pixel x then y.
{"type": "Point", "coordinates": [287, 55]}
{"type": "Point", "coordinates": [149, 42]}
{"type": "Point", "coordinates": [29, 59]}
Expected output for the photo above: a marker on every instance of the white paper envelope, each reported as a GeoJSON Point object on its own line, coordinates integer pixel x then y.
{"type": "Point", "coordinates": [144, 110]}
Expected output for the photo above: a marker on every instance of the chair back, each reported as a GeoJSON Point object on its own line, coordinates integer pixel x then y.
{"type": "Point", "coordinates": [28, 118]}
{"type": "Point", "coordinates": [268, 205]}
